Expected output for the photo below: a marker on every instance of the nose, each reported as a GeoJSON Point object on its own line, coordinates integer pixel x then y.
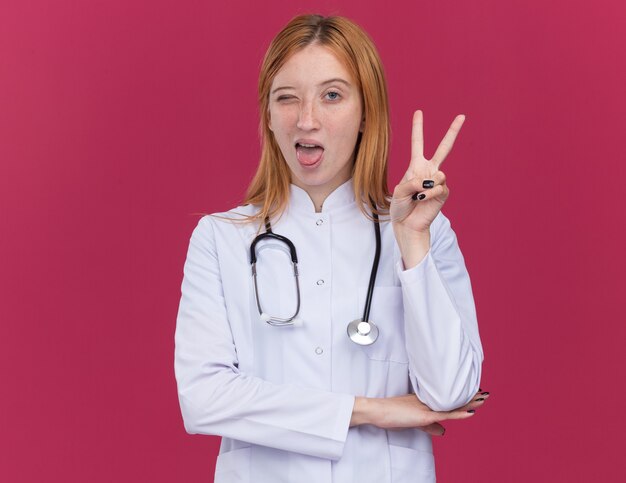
{"type": "Point", "coordinates": [308, 120]}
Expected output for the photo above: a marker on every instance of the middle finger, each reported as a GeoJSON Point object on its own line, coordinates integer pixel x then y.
{"type": "Point", "coordinates": [448, 141]}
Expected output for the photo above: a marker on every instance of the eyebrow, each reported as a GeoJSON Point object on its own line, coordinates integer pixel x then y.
{"type": "Point", "coordinates": [329, 81]}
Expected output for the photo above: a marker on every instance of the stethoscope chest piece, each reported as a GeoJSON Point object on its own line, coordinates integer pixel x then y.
{"type": "Point", "coordinates": [362, 333]}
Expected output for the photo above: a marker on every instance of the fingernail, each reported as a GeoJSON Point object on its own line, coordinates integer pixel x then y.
{"type": "Point", "coordinates": [421, 196]}
{"type": "Point", "coordinates": [414, 197]}
{"type": "Point", "coordinates": [480, 399]}
{"type": "Point", "coordinates": [479, 389]}
{"type": "Point", "coordinates": [471, 411]}
{"type": "Point", "coordinates": [484, 393]}
{"type": "Point", "coordinates": [428, 183]}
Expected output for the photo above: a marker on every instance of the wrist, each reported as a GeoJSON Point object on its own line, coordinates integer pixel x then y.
{"type": "Point", "coordinates": [413, 248]}
{"type": "Point", "coordinates": [362, 411]}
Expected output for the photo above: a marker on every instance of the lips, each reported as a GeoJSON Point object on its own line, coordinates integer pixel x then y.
{"type": "Point", "coordinates": [309, 153]}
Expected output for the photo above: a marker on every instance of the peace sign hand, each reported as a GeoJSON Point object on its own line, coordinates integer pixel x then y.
{"type": "Point", "coordinates": [421, 193]}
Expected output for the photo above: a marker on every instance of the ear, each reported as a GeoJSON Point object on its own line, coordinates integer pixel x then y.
{"type": "Point", "coordinates": [362, 127]}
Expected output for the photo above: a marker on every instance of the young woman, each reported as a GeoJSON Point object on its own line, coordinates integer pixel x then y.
{"type": "Point", "coordinates": [339, 367]}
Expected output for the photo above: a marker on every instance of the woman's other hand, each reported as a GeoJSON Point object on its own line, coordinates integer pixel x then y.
{"type": "Point", "coordinates": [421, 193]}
{"type": "Point", "coordinates": [408, 411]}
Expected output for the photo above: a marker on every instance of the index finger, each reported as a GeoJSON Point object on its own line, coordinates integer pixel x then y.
{"type": "Point", "coordinates": [448, 141]}
{"type": "Point", "coordinates": [417, 135]}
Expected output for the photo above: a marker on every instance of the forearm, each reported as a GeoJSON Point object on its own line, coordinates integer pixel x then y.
{"type": "Point", "coordinates": [405, 412]}
{"type": "Point", "coordinates": [445, 356]}
{"type": "Point", "coordinates": [442, 341]}
{"type": "Point", "coordinates": [247, 408]}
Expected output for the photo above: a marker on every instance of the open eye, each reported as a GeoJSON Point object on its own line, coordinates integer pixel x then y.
{"type": "Point", "coordinates": [333, 95]}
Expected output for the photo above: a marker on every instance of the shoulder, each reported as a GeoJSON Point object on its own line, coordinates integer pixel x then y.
{"type": "Point", "coordinates": [235, 216]}
{"type": "Point", "coordinates": [238, 213]}
{"type": "Point", "coordinates": [226, 226]}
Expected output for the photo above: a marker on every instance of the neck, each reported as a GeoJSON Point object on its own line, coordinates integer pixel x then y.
{"type": "Point", "coordinates": [318, 194]}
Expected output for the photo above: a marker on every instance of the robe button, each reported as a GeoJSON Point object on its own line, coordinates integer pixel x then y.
{"type": "Point", "coordinates": [319, 222]}
{"type": "Point", "coordinates": [320, 282]}
{"type": "Point", "coordinates": [319, 351]}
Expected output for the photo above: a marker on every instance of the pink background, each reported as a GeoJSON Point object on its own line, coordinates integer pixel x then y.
{"type": "Point", "coordinates": [121, 119]}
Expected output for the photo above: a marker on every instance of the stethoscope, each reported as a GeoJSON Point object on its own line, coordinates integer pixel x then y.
{"type": "Point", "coordinates": [361, 331]}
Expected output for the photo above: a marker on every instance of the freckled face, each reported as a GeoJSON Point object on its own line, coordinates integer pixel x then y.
{"type": "Point", "coordinates": [316, 113]}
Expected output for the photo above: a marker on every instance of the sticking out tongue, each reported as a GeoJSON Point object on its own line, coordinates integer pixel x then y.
{"type": "Point", "coordinates": [308, 156]}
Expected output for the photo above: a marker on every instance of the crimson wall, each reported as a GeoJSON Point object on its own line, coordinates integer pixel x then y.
{"type": "Point", "coordinates": [122, 119]}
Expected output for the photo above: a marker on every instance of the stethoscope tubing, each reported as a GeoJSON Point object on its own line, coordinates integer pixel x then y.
{"type": "Point", "coordinates": [370, 333]}
{"type": "Point", "coordinates": [272, 320]}
{"type": "Point", "coordinates": [370, 288]}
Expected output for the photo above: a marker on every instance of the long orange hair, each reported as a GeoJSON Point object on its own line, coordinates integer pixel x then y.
{"type": "Point", "coordinates": [349, 42]}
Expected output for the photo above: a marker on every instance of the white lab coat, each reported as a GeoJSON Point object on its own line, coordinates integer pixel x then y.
{"type": "Point", "coordinates": [282, 398]}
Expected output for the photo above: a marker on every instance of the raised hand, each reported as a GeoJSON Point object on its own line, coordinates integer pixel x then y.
{"type": "Point", "coordinates": [421, 193]}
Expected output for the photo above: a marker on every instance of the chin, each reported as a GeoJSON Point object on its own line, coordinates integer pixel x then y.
{"type": "Point", "coordinates": [313, 179]}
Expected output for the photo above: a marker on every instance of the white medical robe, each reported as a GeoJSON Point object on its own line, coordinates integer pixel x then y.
{"type": "Point", "coordinates": [282, 397]}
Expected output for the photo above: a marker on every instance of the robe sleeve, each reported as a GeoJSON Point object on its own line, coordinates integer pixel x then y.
{"type": "Point", "coordinates": [442, 339]}
{"type": "Point", "coordinates": [217, 398]}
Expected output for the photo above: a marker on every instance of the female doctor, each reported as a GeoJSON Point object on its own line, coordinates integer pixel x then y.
{"type": "Point", "coordinates": [341, 367]}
